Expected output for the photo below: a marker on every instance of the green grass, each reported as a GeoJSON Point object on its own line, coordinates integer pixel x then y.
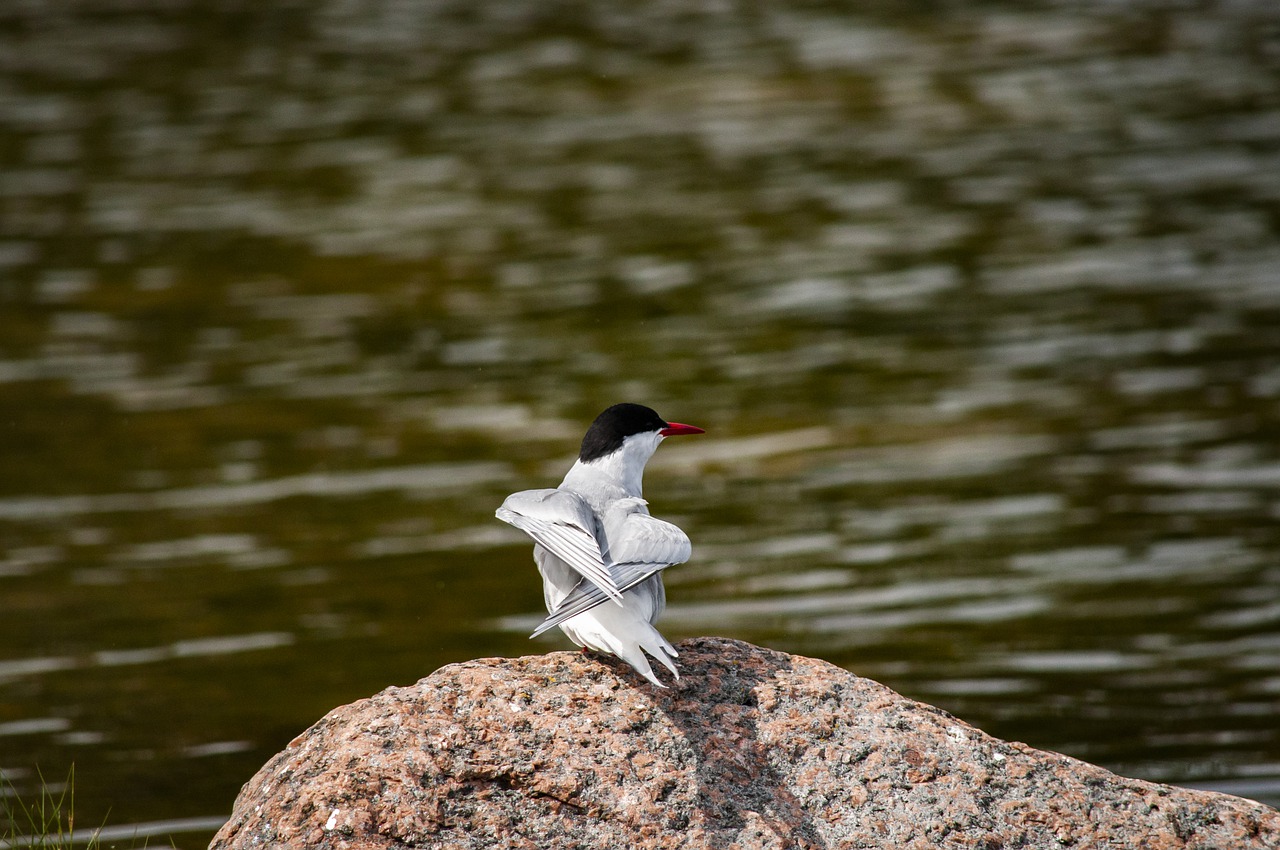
{"type": "Point", "coordinates": [46, 821]}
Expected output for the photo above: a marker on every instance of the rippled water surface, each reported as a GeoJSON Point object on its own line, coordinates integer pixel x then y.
{"type": "Point", "coordinates": [979, 307]}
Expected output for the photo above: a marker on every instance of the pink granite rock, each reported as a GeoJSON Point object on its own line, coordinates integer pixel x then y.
{"type": "Point", "coordinates": [751, 749]}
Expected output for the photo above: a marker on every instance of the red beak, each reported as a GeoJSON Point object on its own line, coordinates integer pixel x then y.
{"type": "Point", "coordinates": [675, 428]}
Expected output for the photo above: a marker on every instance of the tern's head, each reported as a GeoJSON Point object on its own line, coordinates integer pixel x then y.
{"type": "Point", "coordinates": [633, 428]}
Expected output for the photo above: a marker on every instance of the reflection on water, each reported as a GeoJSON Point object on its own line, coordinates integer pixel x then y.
{"type": "Point", "coordinates": [978, 307]}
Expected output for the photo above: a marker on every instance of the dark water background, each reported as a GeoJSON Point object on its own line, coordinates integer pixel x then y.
{"type": "Point", "coordinates": [979, 304]}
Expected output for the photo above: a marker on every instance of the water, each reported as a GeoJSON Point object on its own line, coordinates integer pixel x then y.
{"type": "Point", "coordinates": [979, 308]}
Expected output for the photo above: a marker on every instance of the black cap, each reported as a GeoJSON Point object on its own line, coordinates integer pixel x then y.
{"type": "Point", "coordinates": [606, 434]}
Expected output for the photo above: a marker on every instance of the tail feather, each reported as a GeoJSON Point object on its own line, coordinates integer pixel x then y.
{"type": "Point", "coordinates": [655, 645]}
{"type": "Point", "coordinates": [621, 632]}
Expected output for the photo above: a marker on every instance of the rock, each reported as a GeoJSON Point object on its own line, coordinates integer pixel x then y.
{"type": "Point", "coordinates": [750, 749]}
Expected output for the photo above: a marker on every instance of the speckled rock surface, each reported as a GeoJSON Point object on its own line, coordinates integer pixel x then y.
{"type": "Point", "coordinates": [752, 749]}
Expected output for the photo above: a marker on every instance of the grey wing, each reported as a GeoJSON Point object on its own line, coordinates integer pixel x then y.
{"type": "Point", "coordinates": [563, 524]}
{"type": "Point", "coordinates": [644, 538]}
{"type": "Point", "coordinates": [645, 546]}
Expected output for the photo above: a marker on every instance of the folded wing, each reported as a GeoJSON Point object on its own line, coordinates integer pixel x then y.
{"type": "Point", "coordinates": [563, 524]}
{"type": "Point", "coordinates": [639, 546]}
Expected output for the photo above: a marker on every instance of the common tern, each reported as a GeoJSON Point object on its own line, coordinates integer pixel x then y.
{"type": "Point", "coordinates": [600, 553]}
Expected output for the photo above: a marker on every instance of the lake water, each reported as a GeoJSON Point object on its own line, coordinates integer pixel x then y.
{"type": "Point", "coordinates": [979, 307]}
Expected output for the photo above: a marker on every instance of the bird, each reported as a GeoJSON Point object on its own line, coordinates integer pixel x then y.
{"type": "Point", "coordinates": [601, 554]}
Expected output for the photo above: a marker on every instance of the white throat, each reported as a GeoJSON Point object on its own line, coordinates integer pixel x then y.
{"type": "Point", "coordinates": [623, 469]}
